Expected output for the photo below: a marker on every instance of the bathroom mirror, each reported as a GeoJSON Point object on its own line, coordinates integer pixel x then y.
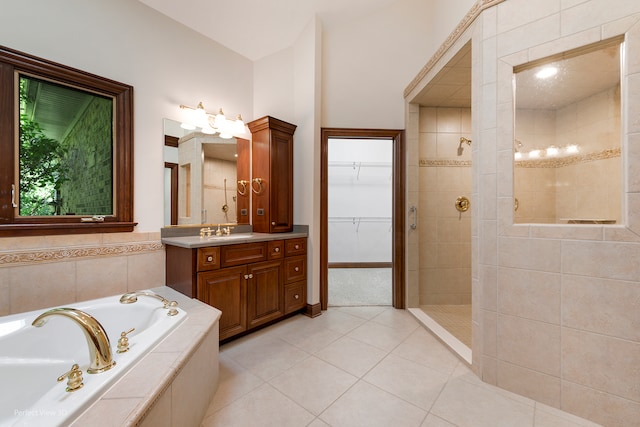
{"type": "Point", "coordinates": [207, 190]}
{"type": "Point", "coordinates": [567, 138]}
{"type": "Point", "coordinates": [66, 156]}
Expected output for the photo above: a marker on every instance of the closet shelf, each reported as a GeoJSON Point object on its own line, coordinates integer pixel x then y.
{"type": "Point", "coordinates": [357, 220]}
{"type": "Point", "coordinates": [357, 166]}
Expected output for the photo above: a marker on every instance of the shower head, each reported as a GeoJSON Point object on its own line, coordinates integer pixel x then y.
{"type": "Point", "coordinates": [463, 140]}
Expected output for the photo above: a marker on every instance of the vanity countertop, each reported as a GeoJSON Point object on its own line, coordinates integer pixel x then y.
{"type": "Point", "coordinates": [191, 242]}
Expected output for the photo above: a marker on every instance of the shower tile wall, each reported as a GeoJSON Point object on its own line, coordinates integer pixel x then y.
{"type": "Point", "coordinates": [557, 304]}
{"type": "Point", "coordinates": [444, 233]}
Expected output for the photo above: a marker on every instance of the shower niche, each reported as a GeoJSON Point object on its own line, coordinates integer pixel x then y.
{"type": "Point", "coordinates": [567, 145]}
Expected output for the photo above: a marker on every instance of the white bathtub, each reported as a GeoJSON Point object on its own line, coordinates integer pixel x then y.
{"type": "Point", "coordinates": [31, 359]}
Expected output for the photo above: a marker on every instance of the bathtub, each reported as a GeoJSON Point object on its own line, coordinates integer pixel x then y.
{"type": "Point", "coordinates": [32, 359]}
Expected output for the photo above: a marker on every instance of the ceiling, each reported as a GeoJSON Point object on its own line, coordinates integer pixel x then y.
{"type": "Point", "coordinates": [258, 28]}
{"type": "Point", "coordinates": [580, 74]}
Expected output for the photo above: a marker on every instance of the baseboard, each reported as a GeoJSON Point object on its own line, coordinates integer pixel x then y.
{"type": "Point", "coordinates": [313, 310]}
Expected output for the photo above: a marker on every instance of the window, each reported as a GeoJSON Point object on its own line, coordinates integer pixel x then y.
{"type": "Point", "coordinates": [65, 149]}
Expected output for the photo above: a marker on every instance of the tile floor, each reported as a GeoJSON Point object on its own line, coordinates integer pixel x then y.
{"type": "Point", "coordinates": [360, 366]}
{"type": "Point", "coordinates": [456, 319]}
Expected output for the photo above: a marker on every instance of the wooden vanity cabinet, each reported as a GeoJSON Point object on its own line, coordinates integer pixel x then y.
{"type": "Point", "coordinates": [272, 175]}
{"type": "Point", "coordinates": [251, 283]}
{"type": "Point", "coordinates": [295, 275]}
{"type": "Point", "coordinates": [226, 290]}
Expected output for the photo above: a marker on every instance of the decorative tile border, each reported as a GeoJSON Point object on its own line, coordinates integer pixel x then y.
{"type": "Point", "coordinates": [68, 254]}
{"type": "Point", "coordinates": [425, 163]}
{"type": "Point", "coordinates": [568, 161]}
{"type": "Point", "coordinates": [468, 19]}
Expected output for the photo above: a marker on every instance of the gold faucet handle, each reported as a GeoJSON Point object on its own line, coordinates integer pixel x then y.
{"type": "Point", "coordinates": [123, 342]}
{"type": "Point", "coordinates": [172, 308]}
{"type": "Point", "coordinates": [74, 378]}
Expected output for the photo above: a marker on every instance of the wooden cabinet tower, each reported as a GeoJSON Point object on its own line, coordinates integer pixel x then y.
{"type": "Point", "coordinates": [272, 175]}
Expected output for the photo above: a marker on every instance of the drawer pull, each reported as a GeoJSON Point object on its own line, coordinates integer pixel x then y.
{"type": "Point", "coordinates": [296, 247]}
{"type": "Point", "coordinates": [276, 250]}
{"type": "Point", "coordinates": [296, 269]}
{"type": "Point", "coordinates": [296, 296]}
{"type": "Point", "coordinates": [209, 258]}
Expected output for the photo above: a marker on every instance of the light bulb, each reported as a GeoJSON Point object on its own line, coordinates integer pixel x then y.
{"type": "Point", "coordinates": [552, 151]}
{"type": "Point", "coordinates": [534, 154]}
{"type": "Point", "coordinates": [220, 120]}
{"type": "Point", "coordinates": [200, 115]}
{"type": "Point", "coordinates": [572, 149]}
{"type": "Point", "coordinates": [238, 126]}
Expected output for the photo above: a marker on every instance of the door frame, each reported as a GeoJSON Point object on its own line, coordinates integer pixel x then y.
{"type": "Point", "coordinates": [397, 216]}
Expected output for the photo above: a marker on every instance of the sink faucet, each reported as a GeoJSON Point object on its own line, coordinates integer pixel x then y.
{"type": "Point", "coordinates": [97, 339]}
{"type": "Point", "coordinates": [131, 297]}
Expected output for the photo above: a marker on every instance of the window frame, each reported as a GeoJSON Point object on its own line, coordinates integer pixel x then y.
{"type": "Point", "coordinates": [12, 61]}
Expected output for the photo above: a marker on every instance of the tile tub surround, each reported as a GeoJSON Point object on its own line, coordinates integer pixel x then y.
{"type": "Point", "coordinates": [43, 271]}
{"type": "Point", "coordinates": [555, 307]}
{"type": "Point", "coordinates": [174, 383]}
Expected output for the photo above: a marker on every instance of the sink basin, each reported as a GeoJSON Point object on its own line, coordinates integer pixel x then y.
{"type": "Point", "coordinates": [230, 237]}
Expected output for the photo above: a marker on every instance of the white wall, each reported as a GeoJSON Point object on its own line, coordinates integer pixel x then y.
{"type": "Point", "coordinates": [367, 63]}
{"type": "Point", "coordinates": [167, 63]}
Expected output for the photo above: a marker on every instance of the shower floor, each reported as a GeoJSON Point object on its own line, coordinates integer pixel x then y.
{"type": "Point", "coordinates": [456, 319]}
{"type": "Point", "coordinates": [359, 286]}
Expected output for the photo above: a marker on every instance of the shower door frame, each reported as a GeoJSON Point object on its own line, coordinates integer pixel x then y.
{"type": "Point", "coordinates": [398, 210]}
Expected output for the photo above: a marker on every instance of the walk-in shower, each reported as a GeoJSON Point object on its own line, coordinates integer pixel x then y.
{"type": "Point", "coordinates": [444, 193]}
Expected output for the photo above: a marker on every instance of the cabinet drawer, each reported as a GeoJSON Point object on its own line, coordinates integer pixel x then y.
{"type": "Point", "coordinates": [208, 258]}
{"type": "Point", "coordinates": [275, 249]}
{"type": "Point", "coordinates": [295, 247]}
{"type": "Point", "coordinates": [295, 296]}
{"type": "Point", "coordinates": [295, 269]}
{"type": "Point", "coordinates": [243, 253]}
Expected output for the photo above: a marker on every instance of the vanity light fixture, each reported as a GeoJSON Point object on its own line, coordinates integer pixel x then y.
{"type": "Point", "coordinates": [534, 154]}
{"type": "Point", "coordinates": [547, 72]}
{"type": "Point", "coordinates": [210, 123]}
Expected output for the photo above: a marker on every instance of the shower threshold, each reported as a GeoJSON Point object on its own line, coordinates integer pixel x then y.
{"type": "Point", "coordinates": [457, 346]}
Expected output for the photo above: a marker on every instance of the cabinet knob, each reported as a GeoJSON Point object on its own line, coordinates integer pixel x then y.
{"type": "Point", "coordinates": [297, 268]}
{"type": "Point", "coordinates": [296, 247]}
{"type": "Point", "coordinates": [251, 276]}
{"type": "Point", "coordinates": [273, 223]}
{"type": "Point", "coordinates": [276, 249]}
{"type": "Point", "coordinates": [246, 276]}
{"type": "Point", "coordinates": [209, 258]}
{"type": "Point", "coordinates": [296, 296]}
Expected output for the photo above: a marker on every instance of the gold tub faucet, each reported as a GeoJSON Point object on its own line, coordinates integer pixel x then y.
{"type": "Point", "coordinates": [97, 339]}
{"type": "Point", "coordinates": [132, 297]}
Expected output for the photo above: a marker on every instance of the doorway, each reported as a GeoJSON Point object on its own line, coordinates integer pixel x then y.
{"type": "Point", "coordinates": [356, 241]}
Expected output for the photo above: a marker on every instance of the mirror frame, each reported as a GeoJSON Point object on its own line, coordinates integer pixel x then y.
{"type": "Point", "coordinates": [122, 94]}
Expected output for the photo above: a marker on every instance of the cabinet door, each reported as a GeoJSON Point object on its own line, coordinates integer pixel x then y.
{"type": "Point", "coordinates": [226, 290]}
{"type": "Point", "coordinates": [265, 300]}
{"type": "Point", "coordinates": [281, 191]}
